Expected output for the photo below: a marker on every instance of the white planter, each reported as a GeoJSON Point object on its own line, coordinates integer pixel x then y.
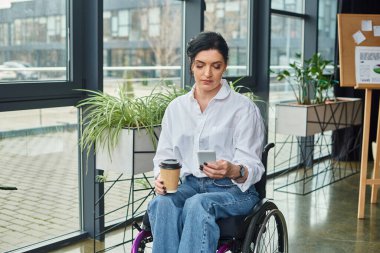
{"type": "Point", "coordinates": [132, 155]}
{"type": "Point", "coordinates": [306, 120]}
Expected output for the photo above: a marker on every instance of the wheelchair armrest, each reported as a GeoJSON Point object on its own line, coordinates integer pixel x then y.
{"type": "Point", "coordinates": [146, 222]}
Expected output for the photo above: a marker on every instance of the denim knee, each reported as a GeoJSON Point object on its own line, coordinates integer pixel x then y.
{"type": "Point", "coordinates": [160, 202]}
{"type": "Point", "coordinates": [196, 203]}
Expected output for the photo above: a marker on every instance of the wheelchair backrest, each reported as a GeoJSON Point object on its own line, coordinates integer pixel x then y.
{"type": "Point", "coordinates": [261, 185]}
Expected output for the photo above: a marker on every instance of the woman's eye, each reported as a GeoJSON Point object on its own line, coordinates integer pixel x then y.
{"type": "Point", "coordinates": [199, 66]}
{"type": "Point", "coordinates": [217, 66]}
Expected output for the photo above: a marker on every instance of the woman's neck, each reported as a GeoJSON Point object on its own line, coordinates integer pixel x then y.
{"type": "Point", "coordinates": [204, 97]}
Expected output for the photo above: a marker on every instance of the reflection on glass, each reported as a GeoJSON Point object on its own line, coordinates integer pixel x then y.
{"type": "Point", "coordinates": [33, 39]}
{"type": "Point", "coordinates": [230, 18]}
{"type": "Point", "coordinates": [38, 156]}
{"type": "Point", "coordinates": [289, 5]}
{"type": "Point", "coordinates": [327, 28]}
{"type": "Point", "coordinates": [286, 43]}
{"type": "Point", "coordinates": [142, 45]}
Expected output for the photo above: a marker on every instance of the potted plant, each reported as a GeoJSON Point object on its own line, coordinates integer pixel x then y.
{"type": "Point", "coordinates": [308, 80]}
{"type": "Point", "coordinates": [124, 130]}
{"type": "Point", "coordinates": [314, 111]}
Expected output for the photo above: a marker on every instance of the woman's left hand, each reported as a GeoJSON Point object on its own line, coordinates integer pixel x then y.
{"type": "Point", "coordinates": [219, 169]}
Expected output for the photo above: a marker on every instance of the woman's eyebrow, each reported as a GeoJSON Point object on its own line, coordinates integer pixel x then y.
{"type": "Point", "coordinates": [216, 62]}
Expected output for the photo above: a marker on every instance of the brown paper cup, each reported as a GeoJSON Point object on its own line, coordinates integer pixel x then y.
{"type": "Point", "coordinates": [170, 178]}
{"type": "Point", "coordinates": [169, 173]}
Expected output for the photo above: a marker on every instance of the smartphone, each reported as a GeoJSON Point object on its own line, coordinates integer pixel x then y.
{"type": "Point", "coordinates": [206, 156]}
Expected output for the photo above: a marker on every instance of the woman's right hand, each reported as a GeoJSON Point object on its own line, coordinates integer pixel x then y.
{"type": "Point", "coordinates": [159, 186]}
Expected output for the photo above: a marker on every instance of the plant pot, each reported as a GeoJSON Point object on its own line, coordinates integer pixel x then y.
{"type": "Point", "coordinates": [307, 120]}
{"type": "Point", "coordinates": [133, 153]}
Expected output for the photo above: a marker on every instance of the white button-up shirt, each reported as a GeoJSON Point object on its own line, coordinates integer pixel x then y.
{"type": "Point", "coordinates": [231, 125]}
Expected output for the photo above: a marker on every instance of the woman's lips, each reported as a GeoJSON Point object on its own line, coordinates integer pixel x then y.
{"type": "Point", "coordinates": [207, 81]}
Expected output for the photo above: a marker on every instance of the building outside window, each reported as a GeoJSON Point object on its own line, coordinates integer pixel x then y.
{"type": "Point", "coordinates": [230, 18]}
{"type": "Point", "coordinates": [289, 5]}
{"type": "Point", "coordinates": [27, 27]}
{"type": "Point", "coordinates": [147, 48]}
{"type": "Point", "coordinates": [4, 34]}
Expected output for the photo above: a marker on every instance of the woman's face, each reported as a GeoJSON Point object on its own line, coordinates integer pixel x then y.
{"type": "Point", "coordinates": [208, 68]}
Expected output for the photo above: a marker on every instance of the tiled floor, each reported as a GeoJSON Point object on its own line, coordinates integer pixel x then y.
{"type": "Point", "coordinates": [323, 221]}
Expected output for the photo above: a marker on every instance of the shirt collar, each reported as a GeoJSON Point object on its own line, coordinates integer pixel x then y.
{"type": "Point", "coordinates": [222, 93]}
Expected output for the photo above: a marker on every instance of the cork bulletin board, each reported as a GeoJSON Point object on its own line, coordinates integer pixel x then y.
{"type": "Point", "coordinates": [353, 32]}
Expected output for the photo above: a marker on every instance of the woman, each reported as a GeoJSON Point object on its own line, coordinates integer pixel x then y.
{"type": "Point", "coordinates": [210, 117]}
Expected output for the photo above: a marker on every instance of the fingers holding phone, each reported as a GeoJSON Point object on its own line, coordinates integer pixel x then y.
{"type": "Point", "coordinates": [216, 170]}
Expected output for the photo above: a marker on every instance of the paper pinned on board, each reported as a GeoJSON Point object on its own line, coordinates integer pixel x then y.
{"type": "Point", "coordinates": [367, 64]}
{"type": "Point", "coordinates": [376, 31]}
{"type": "Point", "coordinates": [358, 37]}
{"type": "Point", "coordinates": [366, 25]}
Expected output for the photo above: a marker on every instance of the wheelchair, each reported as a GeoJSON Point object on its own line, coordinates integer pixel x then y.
{"type": "Point", "coordinates": [262, 230]}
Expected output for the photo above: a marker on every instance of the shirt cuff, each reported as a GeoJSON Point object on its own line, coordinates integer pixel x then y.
{"type": "Point", "coordinates": [156, 173]}
{"type": "Point", "coordinates": [247, 183]}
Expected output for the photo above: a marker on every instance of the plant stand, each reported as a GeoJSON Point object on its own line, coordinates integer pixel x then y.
{"type": "Point", "coordinates": [304, 158]}
{"type": "Point", "coordinates": [136, 198]}
{"type": "Point", "coordinates": [133, 158]}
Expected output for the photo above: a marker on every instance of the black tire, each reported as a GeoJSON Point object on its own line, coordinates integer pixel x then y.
{"type": "Point", "coordinates": [267, 231]}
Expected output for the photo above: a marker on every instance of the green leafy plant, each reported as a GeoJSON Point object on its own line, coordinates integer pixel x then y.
{"type": "Point", "coordinates": [246, 91]}
{"type": "Point", "coordinates": [106, 115]}
{"type": "Point", "coordinates": [308, 80]}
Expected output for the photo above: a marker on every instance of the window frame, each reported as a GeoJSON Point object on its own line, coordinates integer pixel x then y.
{"type": "Point", "coordinates": [45, 94]}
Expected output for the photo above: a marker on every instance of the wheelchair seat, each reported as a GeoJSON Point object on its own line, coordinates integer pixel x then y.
{"type": "Point", "coordinates": [236, 226]}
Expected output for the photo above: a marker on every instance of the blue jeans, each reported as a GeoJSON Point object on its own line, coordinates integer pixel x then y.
{"type": "Point", "coordinates": [185, 221]}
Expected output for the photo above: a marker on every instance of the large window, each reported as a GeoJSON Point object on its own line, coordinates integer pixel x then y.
{"type": "Point", "coordinates": [289, 5]}
{"type": "Point", "coordinates": [39, 157]}
{"type": "Point", "coordinates": [230, 18]}
{"type": "Point", "coordinates": [288, 21]}
{"type": "Point", "coordinates": [38, 122]}
{"type": "Point", "coordinates": [33, 40]}
{"type": "Point", "coordinates": [142, 48]}
{"type": "Point", "coordinates": [327, 28]}
{"type": "Point", "coordinates": [286, 43]}
{"type": "Point", "coordinates": [142, 45]}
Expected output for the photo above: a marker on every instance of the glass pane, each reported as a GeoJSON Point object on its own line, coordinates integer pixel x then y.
{"type": "Point", "coordinates": [286, 43]}
{"type": "Point", "coordinates": [142, 44]}
{"type": "Point", "coordinates": [38, 156]}
{"type": "Point", "coordinates": [289, 5]}
{"type": "Point", "coordinates": [142, 48]}
{"type": "Point", "coordinates": [33, 40]}
{"type": "Point", "coordinates": [230, 18]}
{"type": "Point", "coordinates": [327, 28]}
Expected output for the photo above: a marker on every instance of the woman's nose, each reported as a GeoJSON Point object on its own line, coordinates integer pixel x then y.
{"type": "Point", "coordinates": [208, 71]}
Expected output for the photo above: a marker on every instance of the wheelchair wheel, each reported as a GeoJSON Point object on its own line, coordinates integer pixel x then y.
{"type": "Point", "coordinates": [267, 232]}
{"type": "Point", "coordinates": [142, 242]}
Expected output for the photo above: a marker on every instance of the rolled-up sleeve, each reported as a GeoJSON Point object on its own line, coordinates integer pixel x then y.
{"type": "Point", "coordinates": [249, 142]}
{"type": "Point", "coordinates": [164, 147]}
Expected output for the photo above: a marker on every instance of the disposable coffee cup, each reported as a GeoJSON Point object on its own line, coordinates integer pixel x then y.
{"type": "Point", "coordinates": [169, 173]}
